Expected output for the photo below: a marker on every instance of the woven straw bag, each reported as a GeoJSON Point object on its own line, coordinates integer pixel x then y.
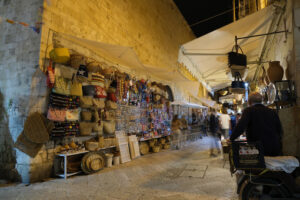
{"type": "Point", "coordinates": [94, 66]}
{"type": "Point", "coordinates": [62, 85]}
{"type": "Point", "coordinates": [76, 60]}
{"type": "Point", "coordinates": [99, 103]}
{"type": "Point", "coordinates": [64, 71]}
{"type": "Point", "coordinates": [86, 115]}
{"type": "Point", "coordinates": [110, 105]}
{"type": "Point", "coordinates": [85, 128]}
{"type": "Point", "coordinates": [86, 102]}
{"type": "Point", "coordinates": [109, 127]}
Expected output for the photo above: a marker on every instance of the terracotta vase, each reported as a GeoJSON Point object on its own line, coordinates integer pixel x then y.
{"type": "Point", "coordinates": [275, 71]}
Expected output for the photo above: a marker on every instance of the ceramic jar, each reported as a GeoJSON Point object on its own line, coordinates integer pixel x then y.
{"type": "Point", "coordinates": [275, 71]}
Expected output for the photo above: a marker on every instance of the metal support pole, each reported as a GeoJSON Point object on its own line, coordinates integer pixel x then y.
{"type": "Point", "coordinates": [251, 36]}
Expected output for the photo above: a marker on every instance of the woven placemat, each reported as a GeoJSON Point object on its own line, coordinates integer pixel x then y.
{"type": "Point", "coordinates": [35, 129]}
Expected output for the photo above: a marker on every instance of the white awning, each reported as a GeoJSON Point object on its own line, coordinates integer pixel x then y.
{"type": "Point", "coordinates": [206, 57]}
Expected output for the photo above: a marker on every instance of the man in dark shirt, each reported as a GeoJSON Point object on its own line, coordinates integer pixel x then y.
{"type": "Point", "coordinates": [261, 124]}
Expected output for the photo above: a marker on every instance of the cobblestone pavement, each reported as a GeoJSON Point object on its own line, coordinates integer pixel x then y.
{"type": "Point", "coordinates": [183, 174]}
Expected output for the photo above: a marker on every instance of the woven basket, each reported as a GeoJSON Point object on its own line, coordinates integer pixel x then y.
{"type": "Point", "coordinates": [144, 148]}
{"type": "Point", "coordinates": [166, 146]}
{"type": "Point", "coordinates": [156, 149]}
{"type": "Point", "coordinates": [92, 146]}
{"type": "Point", "coordinates": [76, 60]}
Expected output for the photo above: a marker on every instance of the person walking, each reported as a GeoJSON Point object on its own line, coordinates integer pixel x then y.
{"type": "Point", "coordinates": [225, 123]}
{"type": "Point", "coordinates": [176, 126]}
{"type": "Point", "coordinates": [184, 126]}
{"type": "Point", "coordinates": [213, 127]}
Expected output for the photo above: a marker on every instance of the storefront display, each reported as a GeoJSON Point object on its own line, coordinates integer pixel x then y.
{"type": "Point", "coordinates": [89, 101]}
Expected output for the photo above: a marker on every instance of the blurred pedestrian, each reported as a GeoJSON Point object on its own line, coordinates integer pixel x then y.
{"type": "Point", "coordinates": [213, 139]}
{"type": "Point", "coordinates": [176, 126]}
{"type": "Point", "coordinates": [225, 123]}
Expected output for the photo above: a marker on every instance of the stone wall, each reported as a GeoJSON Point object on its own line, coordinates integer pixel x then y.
{"type": "Point", "coordinates": [287, 51]}
{"type": "Point", "coordinates": [155, 29]}
{"type": "Point", "coordinates": [19, 61]}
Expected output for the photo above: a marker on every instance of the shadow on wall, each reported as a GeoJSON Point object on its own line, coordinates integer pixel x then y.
{"type": "Point", "coordinates": [7, 152]}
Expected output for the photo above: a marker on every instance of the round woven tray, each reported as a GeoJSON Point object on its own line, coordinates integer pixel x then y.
{"type": "Point", "coordinates": [92, 162]}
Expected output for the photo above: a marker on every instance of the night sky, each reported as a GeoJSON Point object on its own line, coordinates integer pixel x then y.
{"type": "Point", "coordinates": [196, 10]}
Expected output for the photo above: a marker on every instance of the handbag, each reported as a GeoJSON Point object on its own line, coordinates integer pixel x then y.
{"type": "Point", "coordinates": [56, 114]}
{"type": "Point", "coordinates": [76, 88]}
{"type": "Point", "coordinates": [86, 102]}
{"type": "Point", "coordinates": [94, 66]}
{"type": "Point", "coordinates": [97, 79]}
{"type": "Point", "coordinates": [63, 101]}
{"type": "Point", "coordinates": [100, 92]}
{"type": "Point", "coordinates": [62, 85]}
{"type": "Point", "coordinates": [109, 127]}
{"type": "Point", "coordinates": [86, 115]}
{"type": "Point", "coordinates": [72, 115]}
{"type": "Point", "coordinates": [82, 74]}
{"type": "Point", "coordinates": [110, 105]}
{"type": "Point", "coordinates": [76, 60]}
{"type": "Point", "coordinates": [99, 103]}
{"type": "Point", "coordinates": [109, 115]}
{"type": "Point", "coordinates": [88, 90]}
{"type": "Point", "coordinates": [86, 128]}
{"type": "Point", "coordinates": [60, 55]}
{"type": "Point", "coordinates": [65, 72]}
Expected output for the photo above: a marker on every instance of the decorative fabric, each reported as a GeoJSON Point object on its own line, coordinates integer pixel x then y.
{"type": "Point", "coordinates": [64, 71]}
{"type": "Point", "coordinates": [100, 92]}
{"type": "Point", "coordinates": [72, 115]}
{"type": "Point", "coordinates": [63, 101]}
{"type": "Point", "coordinates": [56, 114]}
{"type": "Point", "coordinates": [62, 85]}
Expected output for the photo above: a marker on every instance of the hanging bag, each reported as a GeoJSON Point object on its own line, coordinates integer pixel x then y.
{"type": "Point", "coordinates": [76, 60]}
{"type": "Point", "coordinates": [86, 102]}
{"type": "Point", "coordinates": [109, 127]}
{"type": "Point", "coordinates": [110, 105]}
{"type": "Point", "coordinates": [99, 103]}
{"type": "Point", "coordinates": [64, 71]}
{"type": "Point", "coordinates": [50, 75]}
{"type": "Point", "coordinates": [100, 92]}
{"type": "Point", "coordinates": [82, 74]}
{"type": "Point", "coordinates": [62, 85]}
{"type": "Point", "coordinates": [72, 115]}
{"type": "Point", "coordinates": [56, 114]}
{"type": "Point", "coordinates": [86, 128]}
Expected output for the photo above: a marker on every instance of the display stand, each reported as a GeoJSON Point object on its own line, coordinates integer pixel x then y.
{"type": "Point", "coordinates": [65, 156]}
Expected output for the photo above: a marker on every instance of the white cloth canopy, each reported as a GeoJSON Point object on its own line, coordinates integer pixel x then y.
{"type": "Point", "coordinates": [129, 62]}
{"type": "Point", "coordinates": [206, 56]}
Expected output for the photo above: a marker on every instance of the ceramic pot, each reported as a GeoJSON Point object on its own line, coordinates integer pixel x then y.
{"type": "Point", "coordinates": [275, 71]}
